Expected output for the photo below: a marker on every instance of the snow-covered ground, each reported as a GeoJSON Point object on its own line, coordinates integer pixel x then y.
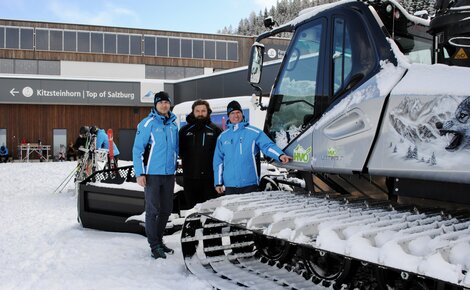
{"type": "Point", "coordinates": [42, 246]}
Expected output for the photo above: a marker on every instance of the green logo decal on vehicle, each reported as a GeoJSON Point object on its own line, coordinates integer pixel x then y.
{"type": "Point", "coordinates": [301, 154]}
{"type": "Point", "coordinates": [331, 152]}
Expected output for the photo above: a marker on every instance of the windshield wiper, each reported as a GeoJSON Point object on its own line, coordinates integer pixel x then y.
{"type": "Point", "coordinates": [297, 101]}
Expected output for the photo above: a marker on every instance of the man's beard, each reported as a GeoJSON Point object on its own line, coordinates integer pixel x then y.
{"type": "Point", "coordinates": [200, 117]}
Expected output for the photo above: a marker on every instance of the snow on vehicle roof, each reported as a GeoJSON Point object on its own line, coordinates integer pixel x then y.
{"type": "Point", "coordinates": [312, 11]}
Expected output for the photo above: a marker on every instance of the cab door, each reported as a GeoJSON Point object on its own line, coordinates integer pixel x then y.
{"type": "Point", "coordinates": [294, 103]}
{"type": "Point", "coordinates": [359, 84]}
{"type": "Point", "coordinates": [329, 95]}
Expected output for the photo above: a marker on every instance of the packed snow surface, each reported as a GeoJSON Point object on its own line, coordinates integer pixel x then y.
{"type": "Point", "coordinates": [42, 246]}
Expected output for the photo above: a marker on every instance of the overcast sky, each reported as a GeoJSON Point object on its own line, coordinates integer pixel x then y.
{"type": "Point", "coordinates": [204, 16]}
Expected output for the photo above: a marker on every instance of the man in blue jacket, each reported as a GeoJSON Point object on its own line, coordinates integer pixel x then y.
{"type": "Point", "coordinates": [102, 141]}
{"type": "Point", "coordinates": [154, 155]}
{"type": "Point", "coordinates": [235, 154]}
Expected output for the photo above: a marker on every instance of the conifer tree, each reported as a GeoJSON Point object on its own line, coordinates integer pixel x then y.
{"type": "Point", "coordinates": [286, 10]}
{"type": "Point", "coordinates": [409, 153]}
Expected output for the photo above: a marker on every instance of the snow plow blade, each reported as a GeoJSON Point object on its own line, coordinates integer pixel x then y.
{"type": "Point", "coordinates": [283, 240]}
{"type": "Point", "coordinates": [111, 200]}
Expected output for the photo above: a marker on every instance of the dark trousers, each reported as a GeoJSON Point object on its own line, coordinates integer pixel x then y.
{"type": "Point", "coordinates": [238, 190]}
{"type": "Point", "coordinates": [158, 206]}
{"type": "Point", "coordinates": [198, 190]}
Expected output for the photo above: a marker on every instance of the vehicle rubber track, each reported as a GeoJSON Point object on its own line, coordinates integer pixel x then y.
{"type": "Point", "coordinates": [281, 240]}
{"type": "Point", "coordinates": [210, 247]}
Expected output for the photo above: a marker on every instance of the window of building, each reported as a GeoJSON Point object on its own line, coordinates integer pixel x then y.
{"type": "Point", "coordinates": [96, 42]}
{"type": "Point", "coordinates": [59, 143]}
{"type": "Point", "coordinates": [42, 39]}
{"type": "Point", "coordinates": [232, 51]}
{"type": "Point", "coordinates": [114, 43]}
{"type": "Point", "coordinates": [193, 71]}
{"type": "Point", "coordinates": [123, 44]}
{"type": "Point", "coordinates": [154, 72]}
{"type": "Point", "coordinates": [7, 66]}
{"type": "Point", "coordinates": [209, 49]}
{"type": "Point", "coordinates": [110, 43]}
{"type": "Point", "coordinates": [186, 48]}
{"type": "Point", "coordinates": [221, 50]}
{"type": "Point", "coordinates": [55, 40]}
{"type": "Point", "coordinates": [26, 38]}
{"type": "Point", "coordinates": [136, 45]}
{"type": "Point", "coordinates": [162, 46]}
{"type": "Point", "coordinates": [174, 47]}
{"type": "Point", "coordinates": [149, 45]}
{"type": "Point", "coordinates": [48, 67]}
{"type": "Point", "coordinates": [174, 73]}
{"type": "Point", "coordinates": [12, 37]}
{"type": "Point", "coordinates": [83, 41]}
{"type": "Point", "coordinates": [3, 140]}
{"type": "Point", "coordinates": [198, 48]}
{"type": "Point", "coordinates": [2, 37]}
{"type": "Point", "coordinates": [70, 41]}
{"type": "Point", "coordinates": [25, 66]}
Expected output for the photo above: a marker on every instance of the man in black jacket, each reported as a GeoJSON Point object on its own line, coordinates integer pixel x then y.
{"type": "Point", "coordinates": [197, 141]}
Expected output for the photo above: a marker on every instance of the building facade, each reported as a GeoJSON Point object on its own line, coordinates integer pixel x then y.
{"type": "Point", "coordinates": [56, 77]}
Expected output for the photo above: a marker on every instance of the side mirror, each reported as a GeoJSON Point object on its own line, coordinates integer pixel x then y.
{"type": "Point", "coordinates": [256, 63]}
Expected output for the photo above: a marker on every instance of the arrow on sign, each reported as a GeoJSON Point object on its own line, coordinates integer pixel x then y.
{"type": "Point", "coordinates": [13, 92]}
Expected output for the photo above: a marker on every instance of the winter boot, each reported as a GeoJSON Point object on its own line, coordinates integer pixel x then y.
{"type": "Point", "coordinates": [158, 253]}
{"type": "Point", "coordinates": [167, 250]}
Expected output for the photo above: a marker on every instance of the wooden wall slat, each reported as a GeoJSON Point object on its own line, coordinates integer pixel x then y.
{"type": "Point", "coordinates": [37, 121]}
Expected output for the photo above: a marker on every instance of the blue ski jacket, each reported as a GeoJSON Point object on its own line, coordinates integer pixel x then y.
{"type": "Point", "coordinates": [161, 135]}
{"type": "Point", "coordinates": [235, 155]}
{"type": "Point", "coordinates": [103, 142]}
{"type": "Point", "coordinates": [3, 151]}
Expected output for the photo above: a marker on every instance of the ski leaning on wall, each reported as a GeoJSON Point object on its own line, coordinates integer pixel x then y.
{"type": "Point", "coordinates": [112, 165]}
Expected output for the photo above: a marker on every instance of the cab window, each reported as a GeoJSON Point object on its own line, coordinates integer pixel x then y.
{"type": "Point", "coordinates": [294, 94]}
{"type": "Point", "coordinates": [351, 56]}
{"type": "Point", "coordinates": [341, 56]}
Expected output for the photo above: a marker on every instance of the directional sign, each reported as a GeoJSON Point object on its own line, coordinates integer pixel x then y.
{"type": "Point", "coordinates": [13, 92]}
{"type": "Point", "coordinates": [73, 92]}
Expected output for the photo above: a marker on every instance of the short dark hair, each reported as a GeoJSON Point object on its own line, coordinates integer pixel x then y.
{"type": "Point", "coordinates": [201, 102]}
{"type": "Point", "coordinates": [84, 130]}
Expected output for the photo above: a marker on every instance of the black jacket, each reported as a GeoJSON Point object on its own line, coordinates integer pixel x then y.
{"type": "Point", "coordinates": [80, 142]}
{"type": "Point", "coordinates": [197, 142]}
